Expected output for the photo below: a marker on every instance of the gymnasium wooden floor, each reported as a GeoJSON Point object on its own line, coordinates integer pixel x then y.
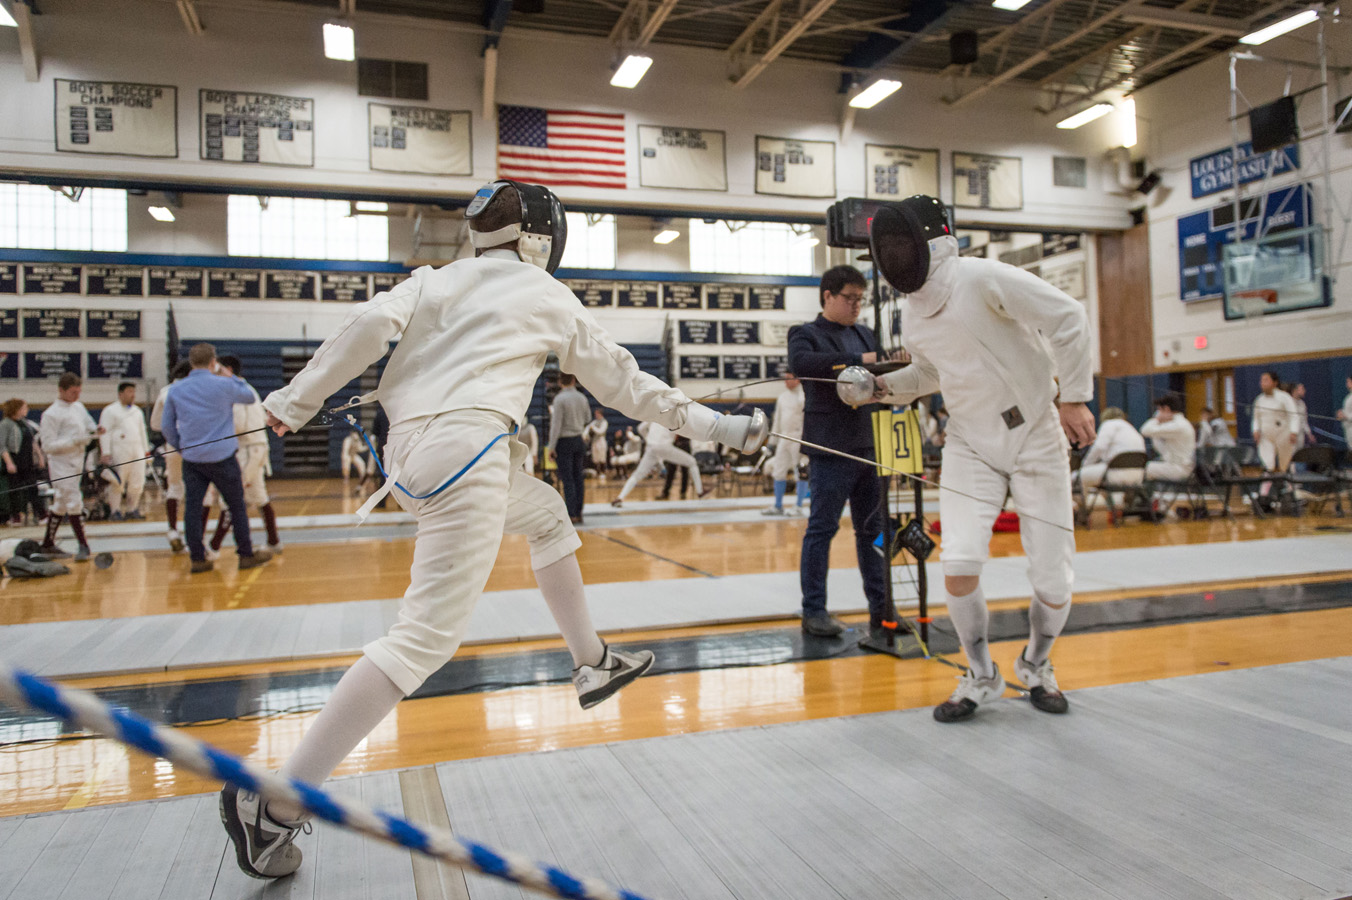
{"type": "Point", "coordinates": [68, 774]}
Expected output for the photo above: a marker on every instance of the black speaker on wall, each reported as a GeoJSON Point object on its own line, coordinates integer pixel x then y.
{"type": "Point", "coordinates": [1273, 125]}
{"type": "Point", "coordinates": [962, 48]}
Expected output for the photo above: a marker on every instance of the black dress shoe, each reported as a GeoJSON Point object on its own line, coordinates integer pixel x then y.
{"type": "Point", "coordinates": [823, 625]}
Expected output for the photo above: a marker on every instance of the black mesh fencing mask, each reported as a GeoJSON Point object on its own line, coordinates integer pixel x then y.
{"type": "Point", "coordinates": [541, 232]}
{"type": "Point", "coordinates": [899, 239]}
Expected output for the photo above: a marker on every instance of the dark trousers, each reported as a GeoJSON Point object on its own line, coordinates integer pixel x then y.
{"type": "Point", "coordinates": [572, 461]}
{"type": "Point", "coordinates": [229, 482]}
{"type": "Point", "coordinates": [833, 481]}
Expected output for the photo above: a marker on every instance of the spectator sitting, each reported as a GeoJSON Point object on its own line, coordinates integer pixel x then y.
{"type": "Point", "coordinates": [1213, 431]}
{"type": "Point", "coordinates": [1174, 440]}
{"type": "Point", "coordinates": [1115, 435]}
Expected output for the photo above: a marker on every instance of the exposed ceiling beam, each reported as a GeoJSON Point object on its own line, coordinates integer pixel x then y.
{"type": "Point", "coordinates": [1175, 18]}
{"type": "Point", "coordinates": [28, 48]}
{"type": "Point", "coordinates": [650, 28]}
{"type": "Point", "coordinates": [1005, 35]}
{"type": "Point", "coordinates": [794, 32]}
{"type": "Point", "coordinates": [1044, 54]}
{"type": "Point", "coordinates": [187, 11]}
{"type": "Point", "coordinates": [494, 18]}
{"type": "Point", "coordinates": [767, 15]}
{"type": "Point", "coordinates": [923, 18]}
{"type": "Point", "coordinates": [639, 23]}
{"type": "Point", "coordinates": [1160, 62]}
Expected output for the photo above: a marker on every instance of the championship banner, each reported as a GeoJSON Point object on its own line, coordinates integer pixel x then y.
{"type": "Point", "coordinates": [419, 140]}
{"type": "Point", "coordinates": [795, 168]}
{"type": "Point", "coordinates": [897, 442]}
{"type": "Point", "coordinates": [894, 173]}
{"type": "Point", "coordinates": [117, 118]}
{"type": "Point", "coordinates": [683, 158]}
{"type": "Point", "coordinates": [987, 182]}
{"type": "Point", "coordinates": [239, 126]}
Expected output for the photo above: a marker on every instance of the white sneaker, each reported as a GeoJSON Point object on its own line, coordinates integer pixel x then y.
{"type": "Point", "coordinates": [212, 555]}
{"type": "Point", "coordinates": [175, 540]}
{"type": "Point", "coordinates": [1043, 691]}
{"type": "Point", "coordinates": [971, 693]}
{"type": "Point", "coordinates": [772, 511]}
{"type": "Point", "coordinates": [263, 847]}
{"type": "Point", "coordinates": [617, 668]}
{"type": "Point", "coordinates": [276, 548]}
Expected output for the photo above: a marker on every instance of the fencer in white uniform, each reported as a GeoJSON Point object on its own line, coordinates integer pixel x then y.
{"type": "Point", "coordinates": [1115, 435]}
{"type": "Point", "coordinates": [788, 420]}
{"type": "Point", "coordinates": [473, 337]}
{"type": "Point", "coordinates": [173, 462]}
{"type": "Point", "coordinates": [530, 437]}
{"type": "Point", "coordinates": [660, 447]}
{"type": "Point", "coordinates": [633, 450]}
{"type": "Point", "coordinates": [995, 339]}
{"type": "Point", "coordinates": [595, 436]}
{"type": "Point", "coordinates": [1344, 415]}
{"type": "Point", "coordinates": [1275, 424]}
{"type": "Point", "coordinates": [124, 443]}
{"type": "Point", "coordinates": [1175, 441]}
{"type": "Point", "coordinates": [352, 457]}
{"type": "Point", "coordinates": [66, 428]}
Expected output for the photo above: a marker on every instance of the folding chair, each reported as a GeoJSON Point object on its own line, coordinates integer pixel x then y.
{"type": "Point", "coordinates": [1132, 460]}
{"type": "Point", "coordinates": [1320, 480]}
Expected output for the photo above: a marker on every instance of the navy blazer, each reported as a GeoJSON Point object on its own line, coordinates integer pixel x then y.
{"type": "Point", "coordinates": [817, 350]}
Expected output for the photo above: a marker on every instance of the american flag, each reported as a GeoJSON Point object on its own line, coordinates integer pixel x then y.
{"type": "Point", "coordinates": [560, 147]}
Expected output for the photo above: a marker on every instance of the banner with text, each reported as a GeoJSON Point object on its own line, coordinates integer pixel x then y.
{"type": "Point", "coordinates": [792, 168]}
{"type": "Point", "coordinates": [1214, 172]}
{"type": "Point", "coordinates": [240, 126]}
{"type": "Point", "coordinates": [893, 173]}
{"type": "Point", "coordinates": [683, 158]}
{"type": "Point", "coordinates": [987, 182]}
{"type": "Point", "coordinates": [116, 117]}
{"type": "Point", "coordinates": [419, 140]}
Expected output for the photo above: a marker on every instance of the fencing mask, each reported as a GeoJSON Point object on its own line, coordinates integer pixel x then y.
{"type": "Point", "coordinates": [541, 232]}
{"type": "Point", "coordinates": [899, 239]}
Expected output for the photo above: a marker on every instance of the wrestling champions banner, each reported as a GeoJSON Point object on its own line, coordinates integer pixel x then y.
{"type": "Point", "coordinates": [894, 173]}
{"type": "Point", "coordinates": [683, 158]}
{"type": "Point", "coordinates": [795, 168]}
{"type": "Point", "coordinates": [981, 181]}
{"type": "Point", "coordinates": [897, 442]}
{"type": "Point", "coordinates": [419, 140]}
{"type": "Point", "coordinates": [116, 117]}
{"type": "Point", "coordinates": [241, 126]}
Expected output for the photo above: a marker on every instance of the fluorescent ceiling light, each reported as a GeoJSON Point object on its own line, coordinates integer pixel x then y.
{"type": "Point", "coordinates": [372, 206]}
{"type": "Point", "coordinates": [340, 42]}
{"type": "Point", "coordinates": [162, 213]}
{"type": "Point", "coordinates": [1263, 35]}
{"type": "Point", "coordinates": [1098, 110]}
{"type": "Point", "coordinates": [631, 71]}
{"type": "Point", "coordinates": [7, 20]}
{"type": "Point", "coordinates": [667, 236]}
{"type": "Point", "coordinates": [870, 96]}
{"type": "Point", "coordinates": [1010, 4]}
{"type": "Point", "coordinates": [1127, 113]}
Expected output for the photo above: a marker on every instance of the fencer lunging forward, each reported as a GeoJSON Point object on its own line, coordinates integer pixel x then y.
{"type": "Point", "coordinates": [475, 336]}
{"type": "Point", "coordinates": [661, 448]}
{"type": "Point", "coordinates": [994, 339]}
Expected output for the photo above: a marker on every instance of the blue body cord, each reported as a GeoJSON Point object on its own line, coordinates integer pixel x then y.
{"type": "Point", "coordinates": [352, 420]}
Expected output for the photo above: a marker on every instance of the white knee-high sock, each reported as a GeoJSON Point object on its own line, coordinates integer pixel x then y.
{"type": "Point", "coordinates": [1044, 626]}
{"type": "Point", "coordinates": [561, 584]}
{"type": "Point", "coordinates": [363, 697]}
{"type": "Point", "coordinates": [971, 619]}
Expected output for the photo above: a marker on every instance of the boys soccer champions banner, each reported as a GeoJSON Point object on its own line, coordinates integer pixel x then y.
{"type": "Point", "coordinates": [116, 117]}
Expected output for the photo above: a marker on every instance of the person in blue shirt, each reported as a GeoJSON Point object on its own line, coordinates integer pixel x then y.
{"type": "Point", "coordinates": [199, 419]}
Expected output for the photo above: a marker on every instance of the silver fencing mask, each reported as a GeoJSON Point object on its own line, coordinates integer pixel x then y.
{"type": "Point", "coordinates": [540, 235]}
{"type": "Point", "coordinates": [899, 240]}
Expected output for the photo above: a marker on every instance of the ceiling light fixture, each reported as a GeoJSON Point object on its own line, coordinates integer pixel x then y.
{"type": "Point", "coordinates": [340, 42]}
{"type": "Point", "coordinates": [631, 71]}
{"type": "Point", "coordinates": [875, 93]}
{"type": "Point", "coordinates": [7, 20]}
{"type": "Point", "coordinates": [161, 213]}
{"type": "Point", "coordinates": [1127, 115]}
{"type": "Point", "coordinates": [1010, 5]}
{"type": "Point", "coordinates": [666, 236]}
{"type": "Point", "coordinates": [1097, 111]}
{"type": "Point", "coordinates": [1263, 35]}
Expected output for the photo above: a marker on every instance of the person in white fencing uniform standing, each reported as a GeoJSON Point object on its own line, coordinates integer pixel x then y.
{"type": "Point", "coordinates": [65, 430]}
{"type": "Point", "coordinates": [1115, 435]}
{"type": "Point", "coordinates": [473, 337]}
{"type": "Point", "coordinates": [660, 448]}
{"type": "Point", "coordinates": [1275, 424]}
{"type": "Point", "coordinates": [124, 443]}
{"type": "Point", "coordinates": [788, 419]}
{"type": "Point", "coordinates": [995, 339]}
{"type": "Point", "coordinates": [595, 436]}
{"type": "Point", "coordinates": [173, 462]}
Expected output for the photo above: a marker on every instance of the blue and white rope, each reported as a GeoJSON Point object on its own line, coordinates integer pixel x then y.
{"type": "Point", "coordinates": [81, 708]}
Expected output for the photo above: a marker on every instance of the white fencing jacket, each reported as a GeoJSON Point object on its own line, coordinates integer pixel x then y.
{"type": "Point", "coordinates": [250, 417]}
{"type": "Point", "coordinates": [1114, 436]}
{"type": "Point", "coordinates": [789, 413]}
{"type": "Point", "coordinates": [474, 335]}
{"type": "Point", "coordinates": [995, 339]}
{"type": "Point", "coordinates": [65, 430]}
{"type": "Point", "coordinates": [1175, 440]}
{"type": "Point", "coordinates": [1274, 417]}
{"type": "Point", "coordinates": [124, 431]}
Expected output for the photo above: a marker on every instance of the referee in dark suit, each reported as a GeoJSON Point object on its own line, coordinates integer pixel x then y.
{"type": "Point", "coordinates": [821, 349]}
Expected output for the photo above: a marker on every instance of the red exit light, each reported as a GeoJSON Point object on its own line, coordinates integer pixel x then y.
{"type": "Point", "coordinates": [1199, 342]}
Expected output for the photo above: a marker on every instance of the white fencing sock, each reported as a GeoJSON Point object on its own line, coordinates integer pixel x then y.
{"type": "Point", "coordinates": [363, 697]}
{"type": "Point", "coordinates": [1044, 626]}
{"type": "Point", "coordinates": [561, 584]}
{"type": "Point", "coordinates": [971, 619]}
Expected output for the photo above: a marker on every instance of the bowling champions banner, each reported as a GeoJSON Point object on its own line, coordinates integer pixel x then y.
{"type": "Point", "coordinates": [682, 158]}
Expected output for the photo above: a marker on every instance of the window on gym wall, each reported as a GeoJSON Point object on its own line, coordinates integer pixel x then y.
{"type": "Point", "coordinates": [591, 241]}
{"type": "Point", "coordinates": [751, 248]}
{"type": "Point", "coordinates": [37, 217]}
{"type": "Point", "coordinates": [297, 228]}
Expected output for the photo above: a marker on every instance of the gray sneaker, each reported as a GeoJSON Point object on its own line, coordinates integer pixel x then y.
{"type": "Point", "coordinates": [263, 847]}
{"type": "Point", "coordinates": [617, 668]}
{"type": "Point", "coordinates": [1043, 691]}
{"type": "Point", "coordinates": [971, 693]}
{"type": "Point", "coordinates": [772, 511]}
{"type": "Point", "coordinates": [82, 554]}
